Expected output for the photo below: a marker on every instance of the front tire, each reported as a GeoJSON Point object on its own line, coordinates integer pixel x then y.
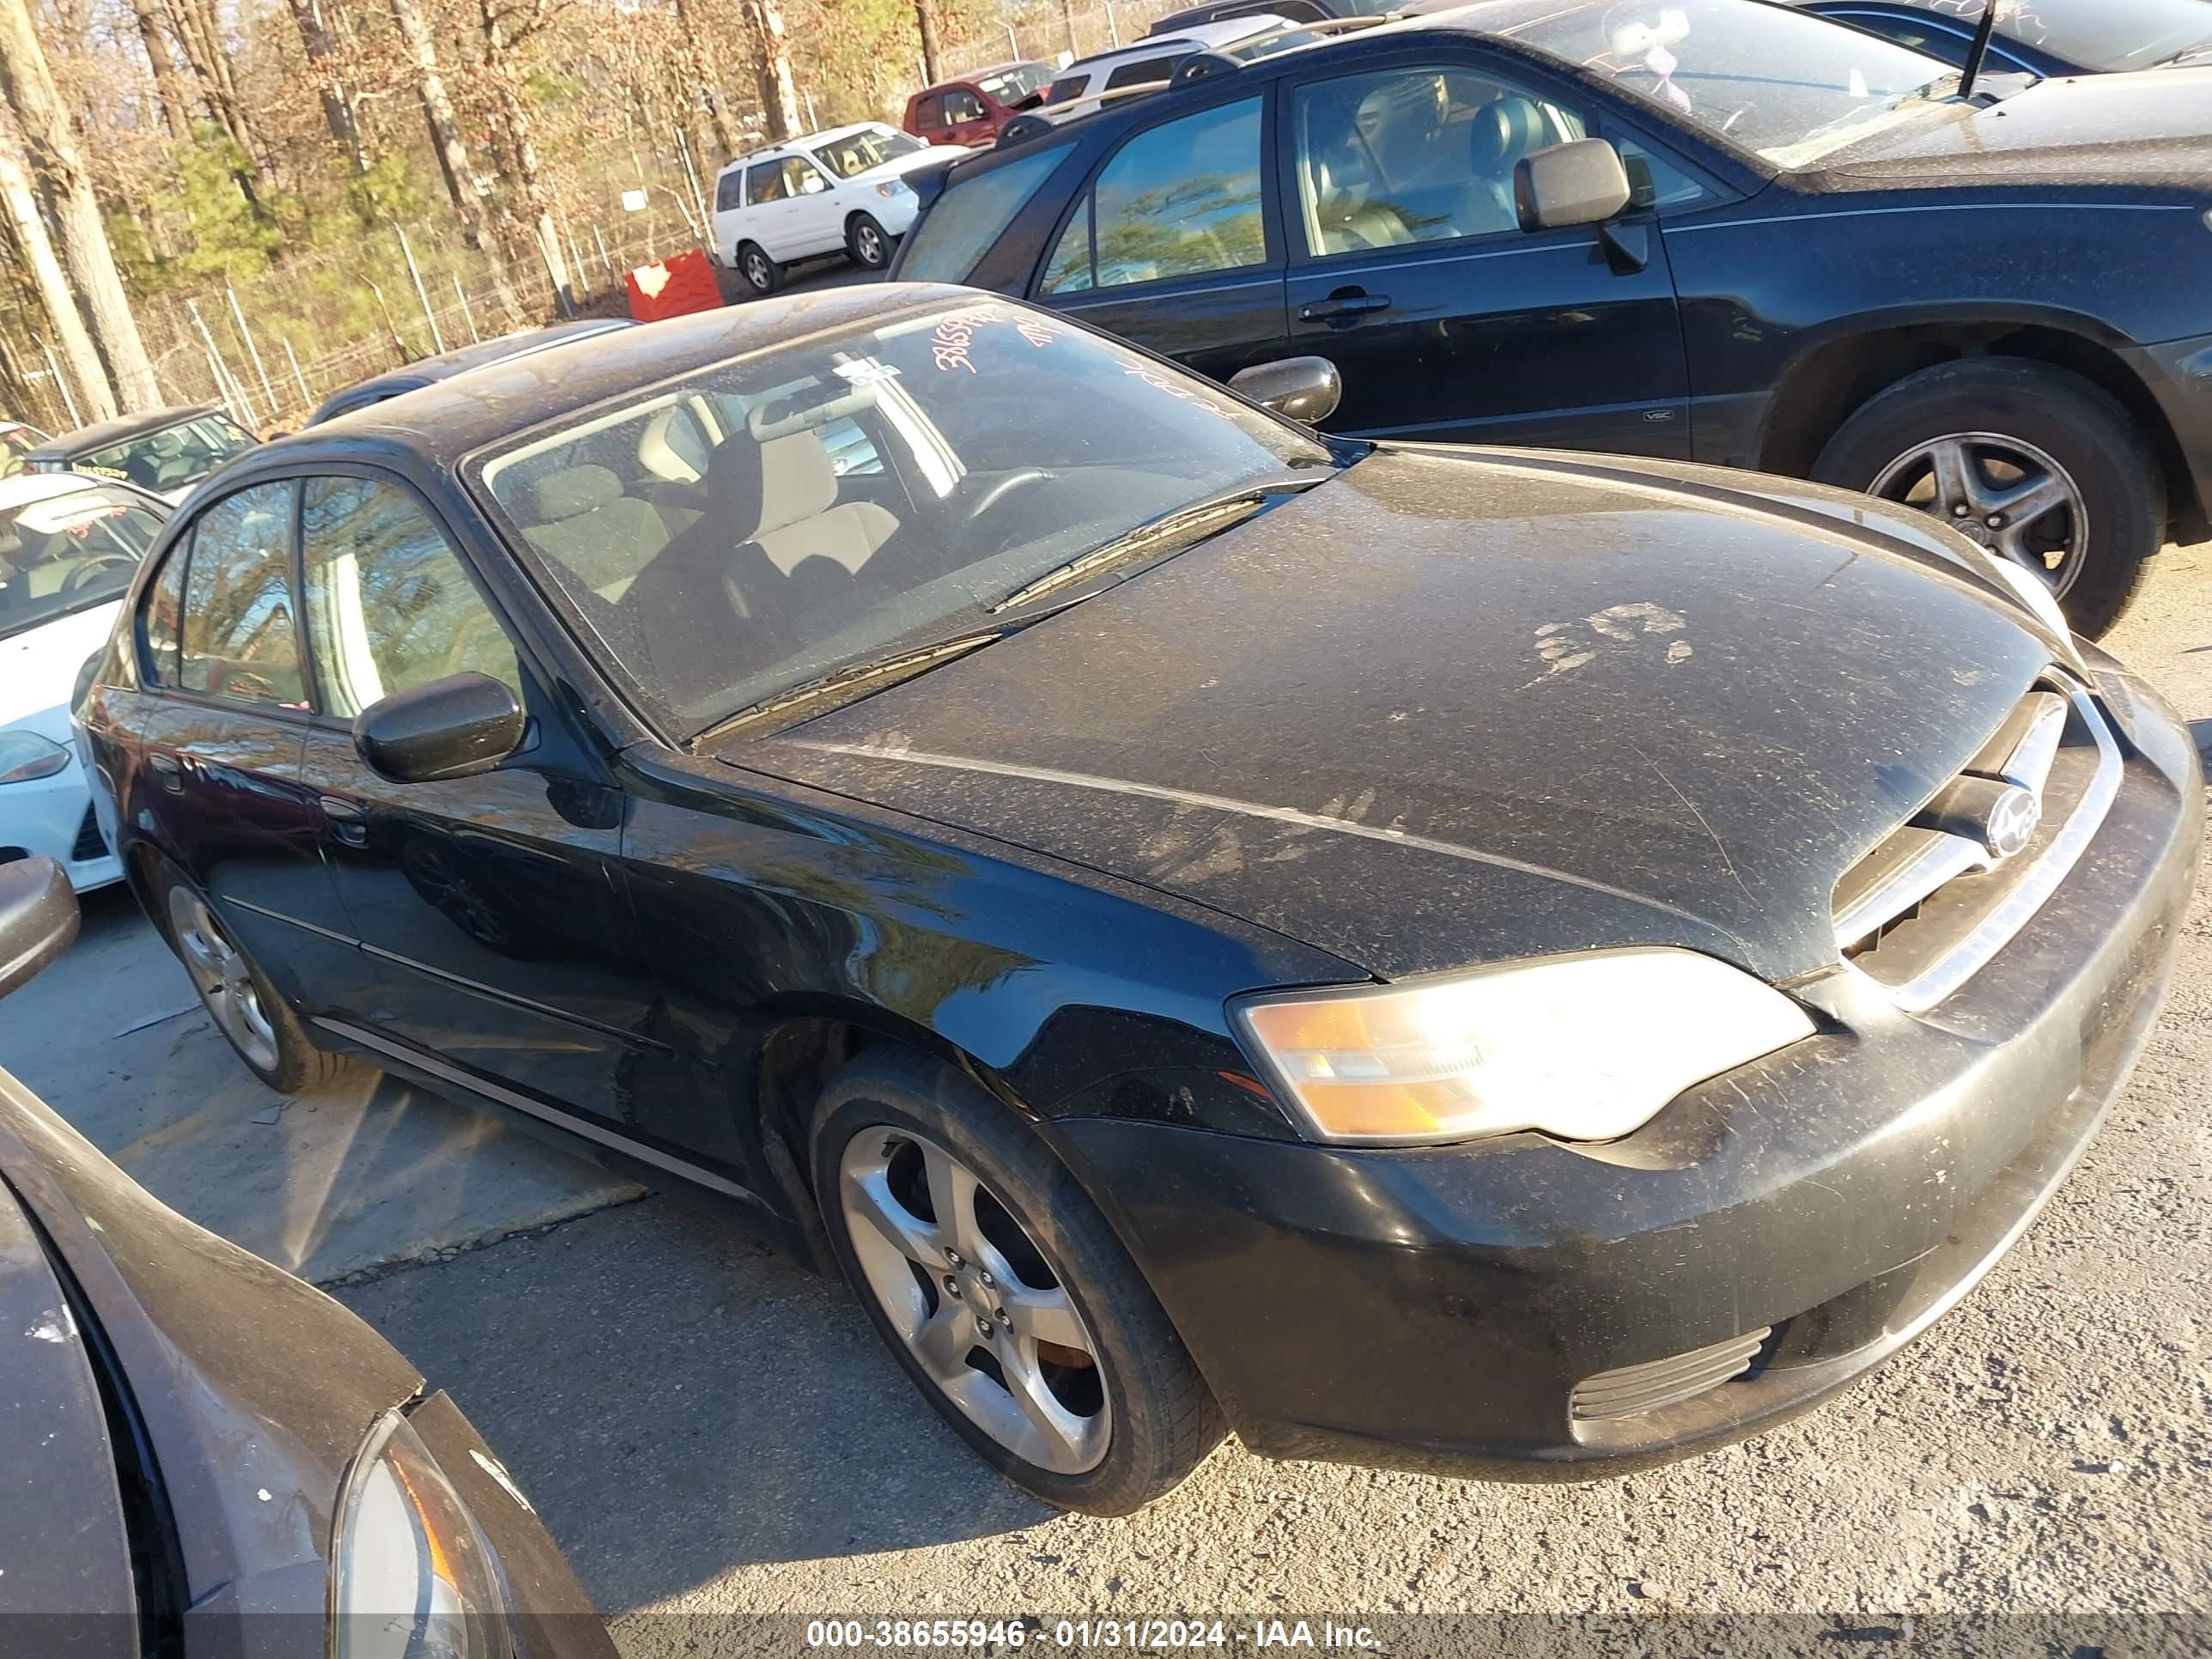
{"type": "Point", "coordinates": [868, 243]}
{"type": "Point", "coordinates": [259, 1026]}
{"type": "Point", "coordinates": [2036, 464]}
{"type": "Point", "coordinates": [995, 1280]}
{"type": "Point", "coordinates": [762, 274]}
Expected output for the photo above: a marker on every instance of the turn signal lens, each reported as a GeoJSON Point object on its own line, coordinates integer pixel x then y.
{"type": "Point", "coordinates": [1585, 1047]}
{"type": "Point", "coordinates": [25, 754]}
{"type": "Point", "coordinates": [413, 1576]}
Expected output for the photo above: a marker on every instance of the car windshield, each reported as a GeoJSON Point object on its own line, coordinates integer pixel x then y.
{"type": "Point", "coordinates": [2112, 35]}
{"type": "Point", "coordinates": [863, 490]}
{"type": "Point", "coordinates": [1788, 86]}
{"type": "Point", "coordinates": [857, 152]}
{"type": "Point", "coordinates": [170, 458]}
{"type": "Point", "coordinates": [1011, 86]}
{"type": "Point", "coordinates": [70, 552]}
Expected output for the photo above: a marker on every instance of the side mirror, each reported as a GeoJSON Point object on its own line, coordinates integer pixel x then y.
{"type": "Point", "coordinates": [1581, 183]}
{"type": "Point", "coordinates": [455, 727]}
{"type": "Point", "coordinates": [1305, 389]}
{"type": "Point", "coordinates": [38, 919]}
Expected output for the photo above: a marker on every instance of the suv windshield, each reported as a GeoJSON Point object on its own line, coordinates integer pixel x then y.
{"type": "Point", "coordinates": [864, 491]}
{"type": "Point", "coordinates": [70, 552]}
{"type": "Point", "coordinates": [858, 151]}
{"type": "Point", "coordinates": [170, 458]}
{"type": "Point", "coordinates": [1011, 86]}
{"type": "Point", "coordinates": [1784, 84]}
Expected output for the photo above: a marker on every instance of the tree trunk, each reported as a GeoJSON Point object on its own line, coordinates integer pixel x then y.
{"type": "Point", "coordinates": [452, 155]}
{"type": "Point", "coordinates": [1068, 16]}
{"type": "Point", "coordinates": [176, 98]}
{"type": "Point", "coordinates": [699, 49]}
{"type": "Point", "coordinates": [338, 111]}
{"type": "Point", "coordinates": [528, 179]}
{"type": "Point", "coordinates": [29, 86]}
{"type": "Point", "coordinates": [779, 93]}
{"type": "Point", "coordinates": [95, 398]}
{"type": "Point", "coordinates": [925, 19]}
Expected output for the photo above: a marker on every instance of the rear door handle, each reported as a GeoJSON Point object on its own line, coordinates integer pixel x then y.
{"type": "Point", "coordinates": [1346, 308]}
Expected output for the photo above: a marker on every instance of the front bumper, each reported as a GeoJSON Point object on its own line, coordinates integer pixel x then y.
{"type": "Point", "coordinates": [51, 817]}
{"type": "Point", "coordinates": [1438, 1308]}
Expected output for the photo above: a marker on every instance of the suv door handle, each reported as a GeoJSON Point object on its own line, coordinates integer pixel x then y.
{"type": "Point", "coordinates": [168, 768]}
{"type": "Point", "coordinates": [1347, 306]}
{"type": "Point", "coordinates": [349, 824]}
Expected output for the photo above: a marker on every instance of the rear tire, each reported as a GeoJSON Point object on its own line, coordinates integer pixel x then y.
{"type": "Point", "coordinates": [260, 1027]}
{"type": "Point", "coordinates": [1031, 1261]}
{"type": "Point", "coordinates": [867, 242]}
{"type": "Point", "coordinates": [2006, 422]}
{"type": "Point", "coordinates": [761, 274]}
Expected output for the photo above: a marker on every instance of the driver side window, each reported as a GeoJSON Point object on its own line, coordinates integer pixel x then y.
{"type": "Point", "coordinates": [390, 606]}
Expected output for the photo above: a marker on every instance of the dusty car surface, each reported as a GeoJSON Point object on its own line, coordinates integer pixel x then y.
{"type": "Point", "coordinates": [1523, 964]}
{"type": "Point", "coordinates": [206, 1457]}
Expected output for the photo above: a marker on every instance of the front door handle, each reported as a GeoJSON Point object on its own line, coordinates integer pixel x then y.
{"type": "Point", "coordinates": [1344, 307]}
{"type": "Point", "coordinates": [169, 769]}
{"type": "Point", "coordinates": [349, 824]}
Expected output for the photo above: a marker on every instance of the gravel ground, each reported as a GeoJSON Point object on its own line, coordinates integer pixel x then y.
{"type": "Point", "coordinates": [711, 1431]}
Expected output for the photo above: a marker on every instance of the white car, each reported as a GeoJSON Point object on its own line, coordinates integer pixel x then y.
{"type": "Point", "coordinates": [1150, 62]}
{"type": "Point", "coordinates": [69, 547]}
{"type": "Point", "coordinates": [843, 189]}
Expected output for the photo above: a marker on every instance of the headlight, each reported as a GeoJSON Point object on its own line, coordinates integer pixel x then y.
{"type": "Point", "coordinates": [411, 1577]}
{"type": "Point", "coordinates": [891, 190]}
{"type": "Point", "coordinates": [1585, 1047]}
{"type": "Point", "coordinates": [2033, 592]}
{"type": "Point", "coordinates": [25, 754]}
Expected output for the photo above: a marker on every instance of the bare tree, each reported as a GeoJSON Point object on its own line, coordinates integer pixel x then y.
{"type": "Point", "coordinates": [338, 111]}
{"type": "Point", "coordinates": [95, 398]}
{"type": "Point", "coordinates": [169, 86]}
{"type": "Point", "coordinates": [699, 49]}
{"type": "Point", "coordinates": [28, 84]}
{"type": "Point", "coordinates": [925, 19]}
{"type": "Point", "coordinates": [505, 29]}
{"type": "Point", "coordinates": [779, 93]}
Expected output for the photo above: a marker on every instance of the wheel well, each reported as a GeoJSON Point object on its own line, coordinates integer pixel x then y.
{"type": "Point", "coordinates": [1824, 388]}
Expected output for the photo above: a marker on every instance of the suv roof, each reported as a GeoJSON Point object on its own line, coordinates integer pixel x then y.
{"type": "Point", "coordinates": [805, 141]}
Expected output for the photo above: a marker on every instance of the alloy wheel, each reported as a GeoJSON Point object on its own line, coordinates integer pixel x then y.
{"type": "Point", "coordinates": [219, 974]}
{"type": "Point", "coordinates": [981, 1308]}
{"type": "Point", "coordinates": [2004, 492]}
{"type": "Point", "coordinates": [757, 272]}
{"type": "Point", "coordinates": [868, 242]}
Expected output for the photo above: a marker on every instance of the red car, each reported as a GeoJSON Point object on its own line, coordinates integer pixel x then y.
{"type": "Point", "coordinates": [971, 110]}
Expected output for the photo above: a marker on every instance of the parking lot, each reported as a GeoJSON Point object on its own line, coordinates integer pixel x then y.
{"type": "Point", "coordinates": [708, 1430]}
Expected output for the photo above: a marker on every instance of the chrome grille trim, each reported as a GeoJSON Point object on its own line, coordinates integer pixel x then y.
{"type": "Point", "coordinates": [2029, 765]}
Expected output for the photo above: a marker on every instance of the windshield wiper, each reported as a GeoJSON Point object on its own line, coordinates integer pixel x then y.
{"type": "Point", "coordinates": [907, 663]}
{"type": "Point", "coordinates": [1196, 520]}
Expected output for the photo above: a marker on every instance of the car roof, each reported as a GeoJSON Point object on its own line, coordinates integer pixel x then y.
{"type": "Point", "coordinates": [804, 141]}
{"type": "Point", "coordinates": [445, 365]}
{"type": "Point", "coordinates": [1225, 32]}
{"type": "Point", "coordinates": [449, 419]}
{"type": "Point", "coordinates": [983, 74]}
{"type": "Point", "coordinates": [123, 428]}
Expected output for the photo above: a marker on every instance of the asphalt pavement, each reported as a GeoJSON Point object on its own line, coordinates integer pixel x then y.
{"type": "Point", "coordinates": [715, 1436]}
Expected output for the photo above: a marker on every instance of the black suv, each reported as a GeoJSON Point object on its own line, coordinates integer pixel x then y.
{"type": "Point", "coordinates": [1721, 231]}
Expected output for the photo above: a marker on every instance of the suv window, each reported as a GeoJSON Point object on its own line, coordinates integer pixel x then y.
{"type": "Point", "coordinates": [972, 215]}
{"type": "Point", "coordinates": [237, 640]}
{"type": "Point", "coordinates": [159, 617]}
{"type": "Point", "coordinates": [390, 606]}
{"type": "Point", "coordinates": [729, 188]}
{"type": "Point", "coordinates": [1145, 72]}
{"type": "Point", "coordinates": [929, 111]}
{"type": "Point", "coordinates": [801, 177]}
{"type": "Point", "coordinates": [764, 183]}
{"type": "Point", "coordinates": [961, 104]}
{"type": "Point", "coordinates": [1180, 200]}
{"type": "Point", "coordinates": [1415, 155]}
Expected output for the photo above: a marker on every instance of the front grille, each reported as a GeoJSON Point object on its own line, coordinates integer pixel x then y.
{"type": "Point", "coordinates": [1658, 1382]}
{"type": "Point", "coordinates": [90, 843]}
{"type": "Point", "coordinates": [1926, 909]}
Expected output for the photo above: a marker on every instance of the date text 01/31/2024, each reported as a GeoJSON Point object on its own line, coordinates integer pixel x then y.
{"type": "Point", "coordinates": [1140, 1634]}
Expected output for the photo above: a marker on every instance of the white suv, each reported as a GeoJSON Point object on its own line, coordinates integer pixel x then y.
{"type": "Point", "coordinates": [844, 189]}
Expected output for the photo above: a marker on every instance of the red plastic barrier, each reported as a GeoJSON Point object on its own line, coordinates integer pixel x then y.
{"type": "Point", "coordinates": [672, 288]}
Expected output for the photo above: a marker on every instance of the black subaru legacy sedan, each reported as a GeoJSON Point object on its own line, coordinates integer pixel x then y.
{"type": "Point", "coordinates": [1526, 964]}
{"type": "Point", "coordinates": [1714, 230]}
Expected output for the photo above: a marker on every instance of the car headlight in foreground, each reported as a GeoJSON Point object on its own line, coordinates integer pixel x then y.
{"type": "Point", "coordinates": [1585, 1047]}
{"type": "Point", "coordinates": [25, 754]}
{"type": "Point", "coordinates": [412, 1576]}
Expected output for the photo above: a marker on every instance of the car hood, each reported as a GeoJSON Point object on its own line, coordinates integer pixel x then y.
{"type": "Point", "coordinates": [2147, 127]}
{"type": "Point", "coordinates": [934, 155]}
{"type": "Point", "coordinates": [39, 668]}
{"type": "Point", "coordinates": [256, 1390]}
{"type": "Point", "coordinates": [1452, 706]}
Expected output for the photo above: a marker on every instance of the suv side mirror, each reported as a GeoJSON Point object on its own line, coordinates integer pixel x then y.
{"type": "Point", "coordinates": [1581, 183]}
{"type": "Point", "coordinates": [38, 919]}
{"type": "Point", "coordinates": [454, 727]}
{"type": "Point", "coordinates": [1305, 389]}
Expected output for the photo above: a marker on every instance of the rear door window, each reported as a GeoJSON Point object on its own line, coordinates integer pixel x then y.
{"type": "Point", "coordinates": [237, 640]}
{"type": "Point", "coordinates": [1181, 200]}
{"type": "Point", "coordinates": [729, 190]}
{"type": "Point", "coordinates": [960, 228]}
